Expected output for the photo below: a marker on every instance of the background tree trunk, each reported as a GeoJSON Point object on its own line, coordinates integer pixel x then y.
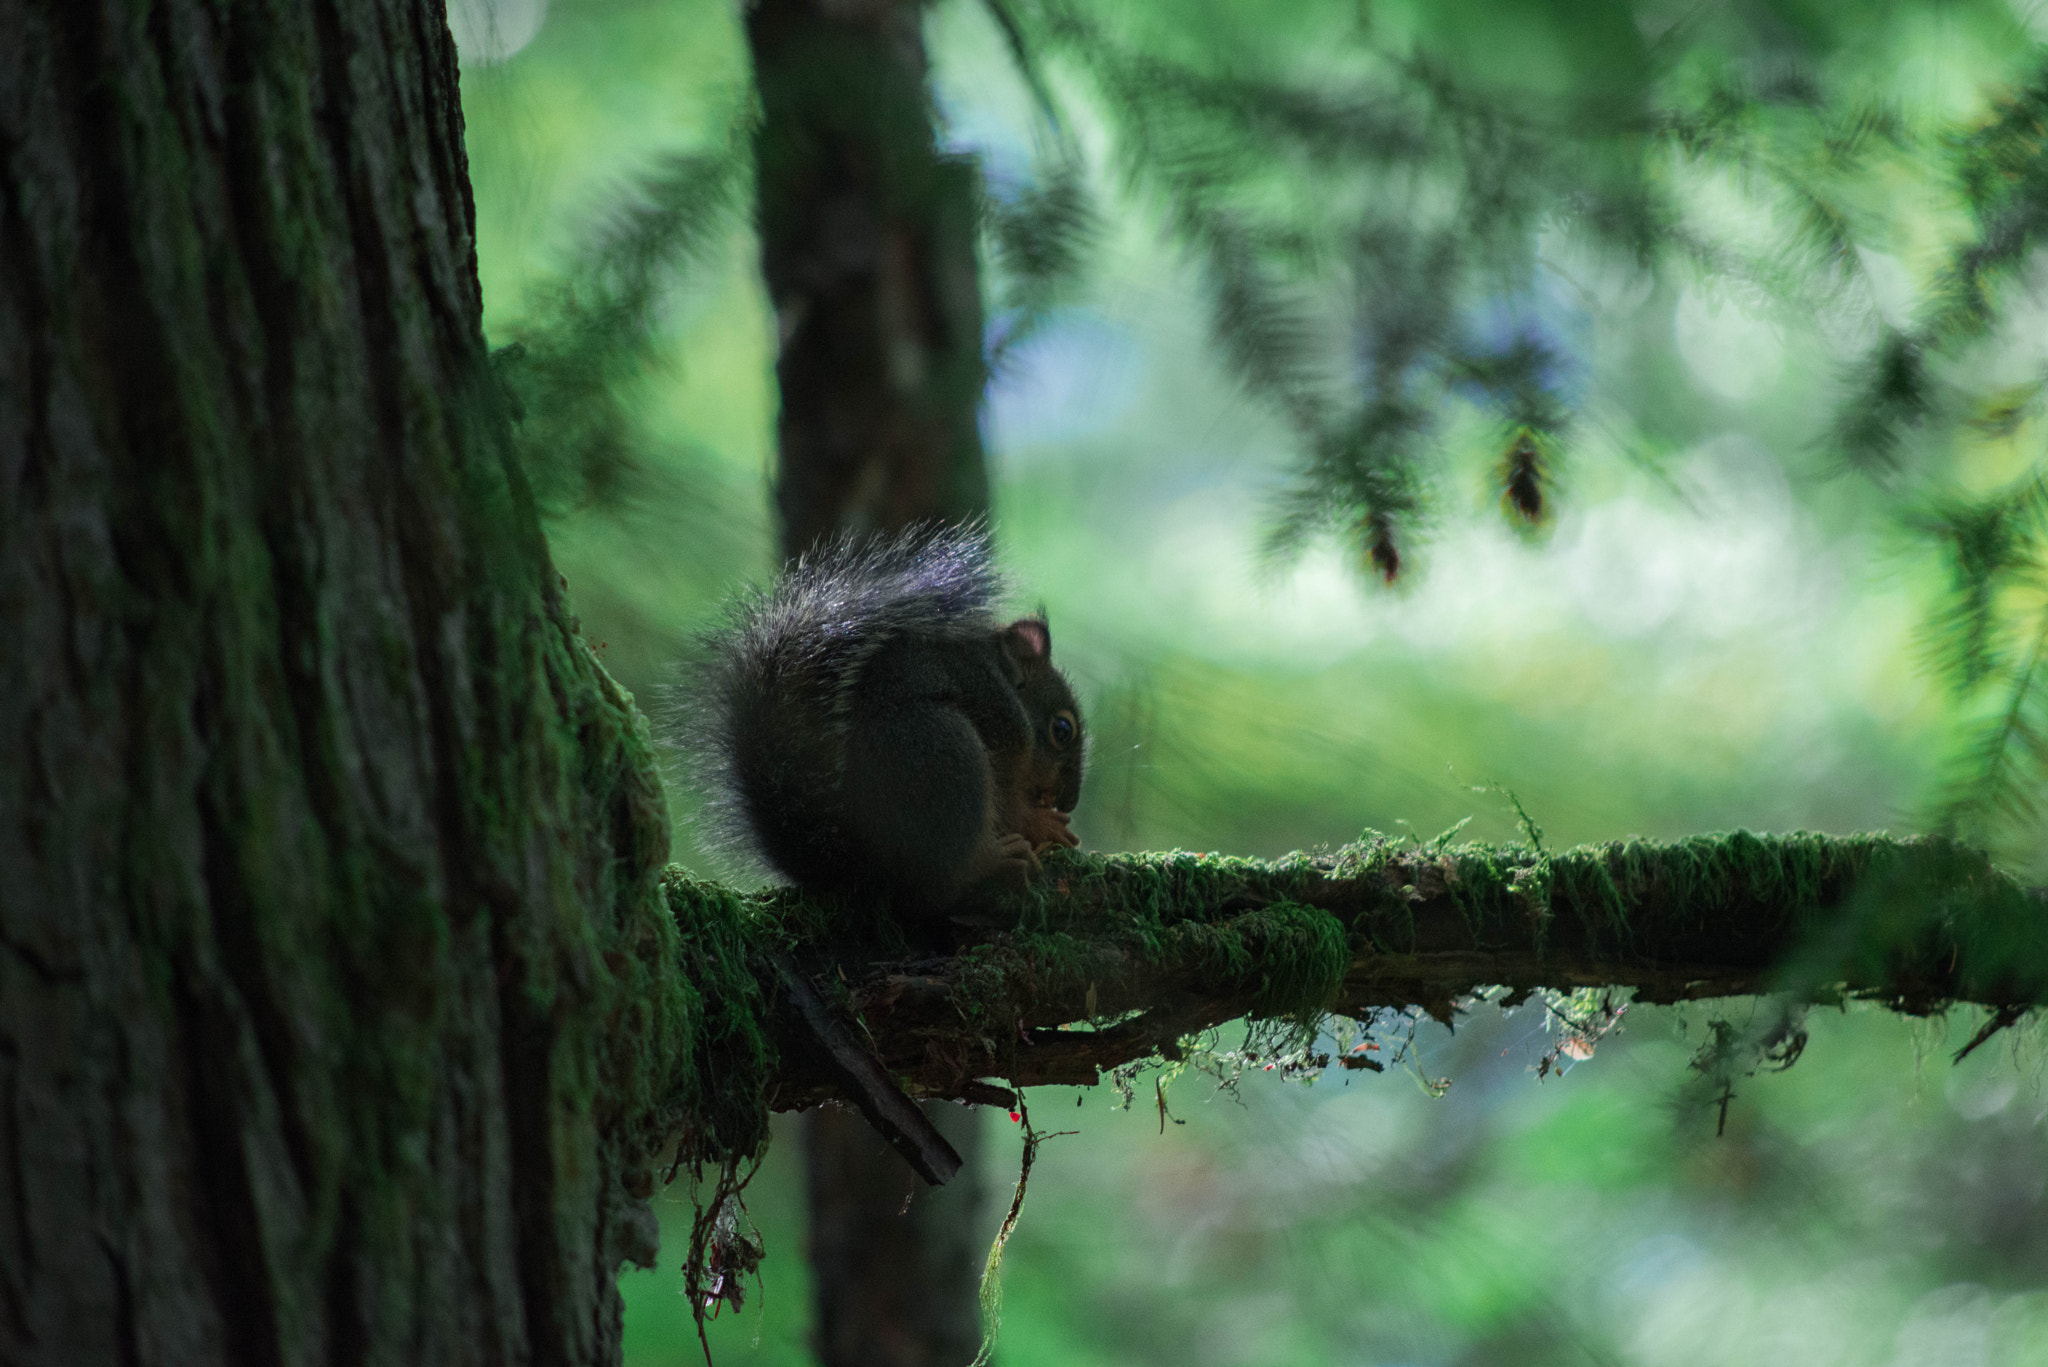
{"type": "Point", "coordinates": [327, 852]}
{"type": "Point", "coordinates": [895, 1263]}
{"type": "Point", "coordinates": [868, 248]}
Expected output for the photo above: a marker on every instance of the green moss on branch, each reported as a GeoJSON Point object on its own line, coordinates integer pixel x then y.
{"type": "Point", "coordinates": [1117, 957]}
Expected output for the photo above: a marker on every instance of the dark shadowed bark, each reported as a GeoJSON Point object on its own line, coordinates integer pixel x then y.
{"type": "Point", "coordinates": [895, 1261]}
{"type": "Point", "coordinates": [327, 853]}
{"type": "Point", "coordinates": [868, 248]}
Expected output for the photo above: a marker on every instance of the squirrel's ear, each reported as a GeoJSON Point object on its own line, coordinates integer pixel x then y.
{"type": "Point", "coordinates": [1030, 638]}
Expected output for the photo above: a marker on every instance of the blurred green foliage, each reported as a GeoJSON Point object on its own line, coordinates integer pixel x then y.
{"type": "Point", "coordinates": [1732, 252]}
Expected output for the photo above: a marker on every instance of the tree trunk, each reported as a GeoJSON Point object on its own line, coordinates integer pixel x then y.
{"type": "Point", "coordinates": [868, 248]}
{"type": "Point", "coordinates": [327, 853]}
{"type": "Point", "coordinates": [894, 1262]}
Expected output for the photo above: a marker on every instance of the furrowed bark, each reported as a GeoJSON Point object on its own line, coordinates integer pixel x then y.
{"type": "Point", "coordinates": [329, 930]}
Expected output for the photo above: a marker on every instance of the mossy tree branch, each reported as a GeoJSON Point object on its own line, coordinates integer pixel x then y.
{"type": "Point", "coordinates": [1119, 958]}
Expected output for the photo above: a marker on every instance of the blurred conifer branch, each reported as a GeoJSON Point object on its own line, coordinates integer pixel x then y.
{"type": "Point", "coordinates": [1913, 394]}
{"type": "Point", "coordinates": [1371, 246]}
{"type": "Point", "coordinates": [1371, 240]}
{"type": "Point", "coordinates": [589, 335]}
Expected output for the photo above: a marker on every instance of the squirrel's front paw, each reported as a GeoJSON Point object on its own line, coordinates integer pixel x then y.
{"type": "Point", "coordinates": [1005, 864]}
{"type": "Point", "coordinates": [1013, 860]}
{"type": "Point", "coordinates": [1047, 826]}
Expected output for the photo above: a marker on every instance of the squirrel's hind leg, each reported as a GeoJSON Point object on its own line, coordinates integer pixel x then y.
{"type": "Point", "coordinates": [920, 799]}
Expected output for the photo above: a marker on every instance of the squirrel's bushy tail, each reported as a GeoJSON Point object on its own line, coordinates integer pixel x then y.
{"type": "Point", "coordinates": [760, 717]}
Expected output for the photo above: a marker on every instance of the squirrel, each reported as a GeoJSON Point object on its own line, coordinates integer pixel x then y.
{"type": "Point", "coordinates": [869, 726]}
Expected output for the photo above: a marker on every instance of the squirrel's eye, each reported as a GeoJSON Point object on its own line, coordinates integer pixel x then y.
{"type": "Point", "coordinates": [1061, 729]}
